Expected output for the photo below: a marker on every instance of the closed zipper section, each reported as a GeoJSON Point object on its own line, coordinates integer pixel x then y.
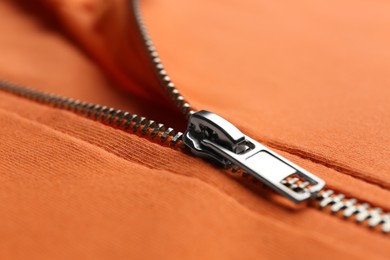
{"type": "Point", "coordinates": [214, 138]}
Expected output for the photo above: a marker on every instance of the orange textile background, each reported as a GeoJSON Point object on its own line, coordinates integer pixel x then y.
{"type": "Point", "coordinates": [309, 79]}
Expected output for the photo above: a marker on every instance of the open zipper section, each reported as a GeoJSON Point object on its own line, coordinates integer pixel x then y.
{"type": "Point", "coordinates": [214, 138]}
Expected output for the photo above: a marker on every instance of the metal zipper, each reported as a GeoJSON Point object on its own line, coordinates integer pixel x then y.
{"type": "Point", "coordinates": [328, 200]}
{"type": "Point", "coordinates": [216, 139]}
{"type": "Point", "coordinates": [212, 137]}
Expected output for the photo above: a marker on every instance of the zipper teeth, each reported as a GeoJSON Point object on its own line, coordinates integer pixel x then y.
{"type": "Point", "coordinates": [165, 81]}
{"type": "Point", "coordinates": [327, 200]}
{"type": "Point", "coordinates": [103, 114]}
{"type": "Point", "coordinates": [352, 209]}
{"type": "Point", "coordinates": [340, 205]}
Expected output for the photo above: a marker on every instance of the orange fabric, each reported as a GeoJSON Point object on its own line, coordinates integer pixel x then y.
{"type": "Point", "coordinates": [308, 79]}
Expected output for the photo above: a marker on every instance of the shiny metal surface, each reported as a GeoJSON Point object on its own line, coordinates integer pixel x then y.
{"type": "Point", "coordinates": [212, 137]}
{"type": "Point", "coordinates": [351, 208]}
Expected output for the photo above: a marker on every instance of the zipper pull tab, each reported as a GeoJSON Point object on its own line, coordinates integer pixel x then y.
{"type": "Point", "coordinates": [214, 138]}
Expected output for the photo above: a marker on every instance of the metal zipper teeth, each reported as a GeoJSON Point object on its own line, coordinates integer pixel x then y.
{"type": "Point", "coordinates": [165, 81]}
{"type": "Point", "coordinates": [338, 204]}
{"type": "Point", "coordinates": [104, 114]}
{"type": "Point", "coordinates": [352, 209]}
{"type": "Point", "coordinates": [327, 200]}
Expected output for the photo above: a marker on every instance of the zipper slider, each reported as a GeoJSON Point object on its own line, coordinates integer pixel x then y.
{"type": "Point", "coordinates": [214, 138]}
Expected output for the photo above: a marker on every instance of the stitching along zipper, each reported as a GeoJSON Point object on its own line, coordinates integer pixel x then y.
{"type": "Point", "coordinates": [213, 138]}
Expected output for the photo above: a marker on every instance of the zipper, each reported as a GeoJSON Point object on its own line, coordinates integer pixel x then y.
{"type": "Point", "coordinates": [214, 138]}
{"type": "Point", "coordinates": [210, 137]}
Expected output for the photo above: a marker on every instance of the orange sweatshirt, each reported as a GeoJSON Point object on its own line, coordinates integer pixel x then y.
{"type": "Point", "coordinates": [309, 79]}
